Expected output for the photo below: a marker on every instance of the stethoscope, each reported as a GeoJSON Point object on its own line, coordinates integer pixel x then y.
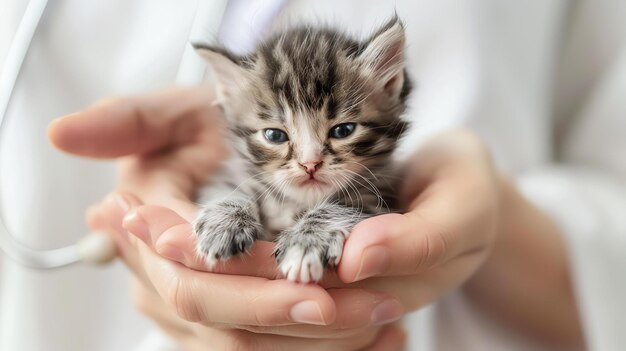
{"type": "Point", "coordinates": [94, 247]}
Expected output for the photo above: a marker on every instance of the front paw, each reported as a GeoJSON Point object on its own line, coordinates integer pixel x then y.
{"type": "Point", "coordinates": [304, 252]}
{"type": "Point", "coordinates": [225, 230]}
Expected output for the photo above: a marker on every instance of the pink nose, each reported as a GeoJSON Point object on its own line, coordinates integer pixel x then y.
{"type": "Point", "coordinates": [311, 167]}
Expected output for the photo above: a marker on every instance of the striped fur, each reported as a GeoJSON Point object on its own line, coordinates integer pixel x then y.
{"type": "Point", "coordinates": [305, 81]}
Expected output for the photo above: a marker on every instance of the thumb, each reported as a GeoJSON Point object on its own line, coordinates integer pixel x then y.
{"type": "Point", "coordinates": [392, 244]}
{"type": "Point", "coordinates": [391, 338]}
{"type": "Point", "coordinates": [134, 125]}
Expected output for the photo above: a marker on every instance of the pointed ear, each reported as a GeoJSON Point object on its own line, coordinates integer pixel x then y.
{"type": "Point", "coordinates": [225, 67]}
{"type": "Point", "coordinates": [383, 56]}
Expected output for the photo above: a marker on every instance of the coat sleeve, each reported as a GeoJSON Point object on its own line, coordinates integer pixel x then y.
{"type": "Point", "coordinates": [583, 185]}
{"type": "Point", "coordinates": [590, 208]}
{"type": "Point", "coordinates": [547, 97]}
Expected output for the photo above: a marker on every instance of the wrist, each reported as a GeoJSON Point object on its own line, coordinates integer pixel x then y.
{"type": "Point", "coordinates": [525, 281]}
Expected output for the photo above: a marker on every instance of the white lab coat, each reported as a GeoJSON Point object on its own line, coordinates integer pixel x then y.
{"type": "Point", "coordinates": [542, 82]}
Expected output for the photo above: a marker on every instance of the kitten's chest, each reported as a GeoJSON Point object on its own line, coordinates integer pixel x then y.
{"type": "Point", "coordinates": [278, 214]}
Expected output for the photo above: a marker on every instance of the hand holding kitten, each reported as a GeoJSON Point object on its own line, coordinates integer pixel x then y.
{"type": "Point", "coordinates": [161, 141]}
{"type": "Point", "coordinates": [454, 198]}
{"type": "Point", "coordinates": [169, 144]}
{"type": "Point", "coordinates": [167, 165]}
{"type": "Point", "coordinates": [414, 257]}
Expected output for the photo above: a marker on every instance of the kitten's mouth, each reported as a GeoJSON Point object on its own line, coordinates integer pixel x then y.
{"type": "Point", "coordinates": [312, 181]}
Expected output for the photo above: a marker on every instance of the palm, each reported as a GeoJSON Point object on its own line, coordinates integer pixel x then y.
{"type": "Point", "coordinates": [167, 143]}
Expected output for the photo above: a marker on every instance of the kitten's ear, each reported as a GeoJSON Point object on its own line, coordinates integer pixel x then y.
{"type": "Point", "coordinates": [383, 56]}
{"type": "Point", "coordinates": [226, 70]}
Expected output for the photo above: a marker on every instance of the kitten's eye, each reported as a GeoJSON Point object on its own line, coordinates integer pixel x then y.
{"type": "Point", "coordinates": [276, 136]}
{"type": "Point", "coordinates": [341, 131]}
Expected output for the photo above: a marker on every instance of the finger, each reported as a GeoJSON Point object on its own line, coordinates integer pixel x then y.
{"type": "Point", "coordinates": [171, 236]}
{"type": "Point", "coordinates": [107, 216]}
{"type": "Point", "coordinates": [237, 300]}
{"type": "Point", "coordinates": [391, 244]}
{"type": "Point", "coordinates": [391, 338]}
{"type": "Point", "coordinates": [150, 304]}
{"type": "Point", "coordinates": [419, 290]}
{"type": "Point", "coordinates": [135, 125]}
{"type": "Point", "coordinates": [225, 339]}
{"type": "Point", "coordinates": [357, 310]}
{"type": "Point", "coordinates": [404, 244]}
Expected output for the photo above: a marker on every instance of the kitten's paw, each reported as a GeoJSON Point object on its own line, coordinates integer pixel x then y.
{"type": "Point", "coordinates": [303, 256]}
{"type": "Point", "coordinates": [226, 230]}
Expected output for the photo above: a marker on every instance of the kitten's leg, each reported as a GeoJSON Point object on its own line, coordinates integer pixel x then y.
{"type": "Point", "coordinates": [315, 241]}
{"type": "Point", "coordinates": [228, 226]}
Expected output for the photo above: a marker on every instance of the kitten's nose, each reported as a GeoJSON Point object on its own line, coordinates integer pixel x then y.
{"type": "Point", "coordinates": [311, 166]}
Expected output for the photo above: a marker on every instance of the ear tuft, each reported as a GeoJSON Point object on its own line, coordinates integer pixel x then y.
{"type": "Point", "coordinates": [225, 68]}
{"type": "Point", "coordinates": [206, 51]}
{"type": "Point", "coordinates": [383, 55]}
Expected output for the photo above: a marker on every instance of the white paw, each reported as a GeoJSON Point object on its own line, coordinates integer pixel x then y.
{"type": "Point", "coordinates": [305, 261]}
{"type": "Point", "coordinates": [314, 243]}
{"type": "Point", "coordinates": [223, 232]}
{"type": "Point", "coordinates": [300, 266]}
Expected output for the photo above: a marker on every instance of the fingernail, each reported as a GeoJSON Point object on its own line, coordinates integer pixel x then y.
{"type": "Point", "coordinates": [61, 118]}
{"type": "Point", "coordinates": [135, 225]}
{"type": "Point", "coordinates": [307, 312]}
{"type": "Point", "coordinates": [121, 202]}
{"type": "Point", "coordinates": [374, 261]}
{"type": "Point", "coordinates": [387, 312]}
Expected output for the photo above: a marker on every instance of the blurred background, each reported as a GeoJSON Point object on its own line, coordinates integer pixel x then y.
{"type": "Point", "coordinates": [542, 82]}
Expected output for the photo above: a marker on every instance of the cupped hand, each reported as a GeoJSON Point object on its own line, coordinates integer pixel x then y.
{"type": "Point", "coordinates": [453, 198]}
{"type": "Point", "coordinates": [233, 312]}
{"type": "Point", "coordinates": [167, 145]}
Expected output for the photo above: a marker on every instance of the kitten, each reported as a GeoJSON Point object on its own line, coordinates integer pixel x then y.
{"type": "Point", "coordinates": [315, 117]}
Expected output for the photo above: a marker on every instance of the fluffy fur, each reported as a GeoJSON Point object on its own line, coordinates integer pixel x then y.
{"type": "Point", "coordinates": [315, 117]}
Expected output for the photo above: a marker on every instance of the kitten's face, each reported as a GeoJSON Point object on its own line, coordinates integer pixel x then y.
{"type": "Point", "coordinates": [316, 112]}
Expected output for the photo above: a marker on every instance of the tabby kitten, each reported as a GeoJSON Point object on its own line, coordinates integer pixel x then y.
{"type": "Point", "coordinates": [315, 117]}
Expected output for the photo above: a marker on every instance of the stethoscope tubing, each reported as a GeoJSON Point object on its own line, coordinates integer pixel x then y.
{"type": "Point", "coordinates": [95, 247]}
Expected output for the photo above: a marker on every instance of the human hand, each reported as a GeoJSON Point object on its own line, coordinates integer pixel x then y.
{"type": "Point", "coordinates": [239, 312]}
{"type": "Point", "coordinates": [468, 224]}
{"type": "Point", "coordinates": [452, 194]}
{"type": "Point", "coordinates": [167, 144]}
